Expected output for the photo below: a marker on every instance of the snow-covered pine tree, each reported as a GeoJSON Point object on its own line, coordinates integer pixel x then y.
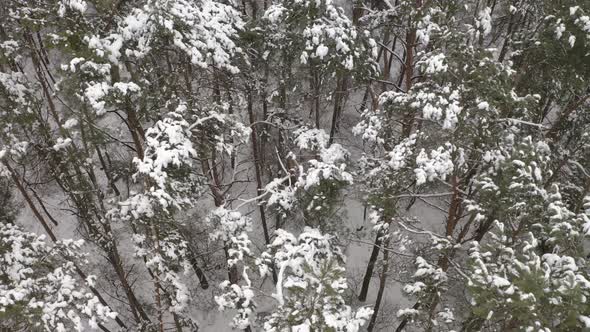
{"type": "Point", "coordinates": [40, 287]}
{"type": "Point", "coordinates": [316, 41]}
{"type": "Point", "coordinates": [311, 283]}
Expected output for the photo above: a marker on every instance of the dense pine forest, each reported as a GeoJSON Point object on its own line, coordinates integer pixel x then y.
{"type": "Point", "coordinates": [294, 165]}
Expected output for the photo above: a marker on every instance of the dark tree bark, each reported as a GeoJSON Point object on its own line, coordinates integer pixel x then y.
{"type": "Point", "coordinates": [258, 171]}
{"type": "Point", "coordinates": [370, 267]}
{"type": "Point", "coordinates": [382, 284]}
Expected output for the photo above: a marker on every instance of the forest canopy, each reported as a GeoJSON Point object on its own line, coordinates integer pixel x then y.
{"type": "Point", "coordinates": [294, 165]}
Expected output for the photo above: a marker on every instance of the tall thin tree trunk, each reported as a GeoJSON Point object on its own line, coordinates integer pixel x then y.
{"type": "Point", "coordinates": [339, 100]}
{"type": "Point", "coordinates": [370, 267]}
{"type": "Point", "coordinates": [409, 72]}
{"type": "Point", "coordinates": [316, 95]}
{"type": "Point", "coordinates": [257, 168]}
{"type": "Point", "coordinates": [317, 105]}
{"type": "Point", "coordinates": [382, 284]}
{"type": "Point", "coordinates": [156, 278]}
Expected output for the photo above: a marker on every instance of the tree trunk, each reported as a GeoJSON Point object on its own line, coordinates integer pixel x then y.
{"type": "Point", "coordinates": [202, 278]}
{"type": "Point", "coordinates": [257, 168]}
{"type": "Point", "coordinates": [370, 267]}
{"type": "Point", "coordinates": [339, 100]}
{"type": "Point", "coordinates": [409, 72]}
{"type": "Point", "coordinates": [317, 108]}
{"type": "Point", "coordinates": [382, 283]}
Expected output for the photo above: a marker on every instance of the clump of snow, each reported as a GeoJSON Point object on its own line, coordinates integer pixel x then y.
{"type": "Point", "coordinates": [485, 21]}
{"type": "Point", "coordinates": [321, 51]}
{"type": "Point", "coordinates": [62, 143]}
